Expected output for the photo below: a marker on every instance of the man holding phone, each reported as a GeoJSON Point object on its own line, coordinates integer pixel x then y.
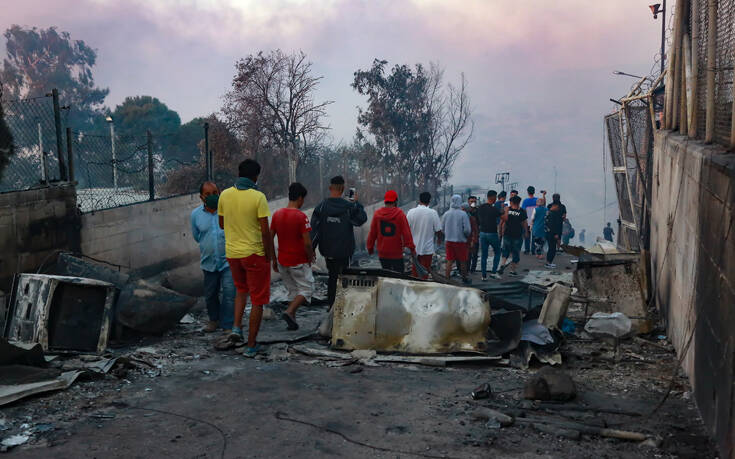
{"type": "Point", "coordinates": [332, 232]}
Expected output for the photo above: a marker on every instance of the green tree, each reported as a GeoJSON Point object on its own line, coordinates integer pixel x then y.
{"type": "Point", "coordinates": [418, 124]}
{"type": "Point", "coordinates": [140, 113]}
{"type": "Point", "coordinates": [38, 60]}
{"type": "Point", "coordinates": [185, 143]}
{"type": "Point", "coordinates": [396, 116]}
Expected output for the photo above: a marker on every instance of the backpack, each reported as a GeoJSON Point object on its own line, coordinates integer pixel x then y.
{"type": "Point", "coordinates": [334, 236]}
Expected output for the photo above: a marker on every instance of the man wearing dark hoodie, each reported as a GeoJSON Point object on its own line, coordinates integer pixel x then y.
{"type": "Point", "coordinates": [331, 231]}
{"type": "Point", "coordinates": [391, 231]}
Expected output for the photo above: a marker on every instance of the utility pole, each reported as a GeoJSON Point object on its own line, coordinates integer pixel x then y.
{"type": "Point", "coordinates": [44, 164]}
{"type": "Point", "coordinates": [111, 122]}
{"type": "Point", "coordinates": [502, 178]}
{"type": "Point", "coordinates": [69, 154]}
{"type": "Point", "coordinates": [207, 159]}
{"type": "Point", "coordinates": [57, 125]}
{"type": "Point", "coordinates": [151, 182]}
{"type": "Point", "coordinates": [321, 176]}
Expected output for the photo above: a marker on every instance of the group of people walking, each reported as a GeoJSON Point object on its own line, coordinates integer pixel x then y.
{"type": "Point", "coordinates": [508, 226]}
{"type": "Point", "coordinates": [238, 249]}
{"type": "Point", "coordinates": [238, 245]}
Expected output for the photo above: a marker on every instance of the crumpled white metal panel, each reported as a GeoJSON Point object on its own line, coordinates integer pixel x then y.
{"type": "Point", "coordinates": [409, 316]}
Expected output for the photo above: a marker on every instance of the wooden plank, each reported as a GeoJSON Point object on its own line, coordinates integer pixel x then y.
{"type": "Point", "coordinates": [693, 118]}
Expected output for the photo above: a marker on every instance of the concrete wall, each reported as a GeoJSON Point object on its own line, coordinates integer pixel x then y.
{"type": "Point", "coordinates": [693, 259]}
{"type": "Point", "coordinates": [33, 225]}
{"type": "Point", "coordinates": [150, 238]}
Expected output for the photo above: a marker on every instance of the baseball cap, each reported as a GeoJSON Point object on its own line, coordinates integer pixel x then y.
{"type": "Point", "coordinates": [390, 196]}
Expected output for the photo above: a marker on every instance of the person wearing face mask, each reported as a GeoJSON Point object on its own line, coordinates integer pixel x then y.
{"type": "Point", "coordinates": [219, 288]}
{"type": "Point", "coordinates": [474, 240]}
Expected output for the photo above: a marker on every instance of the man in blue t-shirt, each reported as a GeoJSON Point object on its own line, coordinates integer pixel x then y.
{"type": "Point", "coordinates": [528, 205]}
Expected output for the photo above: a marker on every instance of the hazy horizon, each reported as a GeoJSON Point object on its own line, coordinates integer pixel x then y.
{"type": "Point", "coordinates": [539, 74]}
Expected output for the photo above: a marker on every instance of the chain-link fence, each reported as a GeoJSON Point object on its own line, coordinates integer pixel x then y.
{"type": "Point", "coordinates": [115, 170]}
{"type": "Point", "coordinates": [111, 170]}
{"type": "Point", "coordinates": [692, 69]}
{"type": "Point", "coordinates": [35, 162]}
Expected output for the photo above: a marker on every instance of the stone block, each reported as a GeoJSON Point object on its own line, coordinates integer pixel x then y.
{"type": "Point", "coordinates": [550, 384]}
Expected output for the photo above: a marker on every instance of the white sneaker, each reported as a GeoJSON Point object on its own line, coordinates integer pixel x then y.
{"type": "Point", "coordinates": [550, 265]}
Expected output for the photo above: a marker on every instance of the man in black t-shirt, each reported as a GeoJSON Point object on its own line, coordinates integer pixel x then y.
{"type": "Point", "coordinates": [556, 199]}
{"type": "Point", "coordinates": [513, 228]}
{"type": "Point", "coordinates": [487, 216]}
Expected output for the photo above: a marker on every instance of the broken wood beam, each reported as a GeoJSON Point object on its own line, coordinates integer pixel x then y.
{"type": "Point", "coordinates": [584, 428]}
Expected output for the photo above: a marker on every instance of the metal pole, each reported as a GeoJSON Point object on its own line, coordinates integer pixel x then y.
{"type": "Point", "coordinates": [57, 125]}
{"type": "Point", "coordinates": [114, 156]}
{"type": "Point", "coordinates": [69, 154]}
{"type": "Point", "coordinates": [151, 183]}
{"type": "Point", "coordinates": [663, 36]}
{"type": "Point", "coordinates": [207, 157]}
{"type": "Point", "coordinates": [44, 164]}
{"type": "Point", "coordinates": [321, 176]}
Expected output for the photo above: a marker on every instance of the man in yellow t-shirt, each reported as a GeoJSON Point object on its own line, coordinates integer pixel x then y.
{"type": "Point", "coordinates": [243, 214]}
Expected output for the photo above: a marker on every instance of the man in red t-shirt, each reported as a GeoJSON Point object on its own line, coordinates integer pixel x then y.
{"type": "Point", "coordinates": [295, 253]}
{"type": "Point", "coordinates": [390, 229]}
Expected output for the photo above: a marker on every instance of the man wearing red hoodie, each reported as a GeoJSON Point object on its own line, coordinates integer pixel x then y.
{"type": "Point", "coordinates": [390, 228]}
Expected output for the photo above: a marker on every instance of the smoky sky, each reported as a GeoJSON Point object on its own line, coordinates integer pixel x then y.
{"type": "Point", "coordinates": [539, 72]}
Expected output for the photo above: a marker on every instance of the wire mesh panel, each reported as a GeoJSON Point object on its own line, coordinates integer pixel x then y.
{"type": "Point", "coordinates": [722, 66]}
{"type": "Point", "coordinates": [701, 46]}
{"type": "Point", "coordinates": [622, 140]}
{"type": "Point", "coordinates": [113, 171]}
{"type": "Point", "coordinates": [173, 172]}
{"type": "Point", "coordinates": [725, 44]}
{"type": "Point", "coordinates": [110, 171]}
{"type": "Point", "coordinates": [35, 162]}
{"type": "Point", "coordinates": [639, 152]}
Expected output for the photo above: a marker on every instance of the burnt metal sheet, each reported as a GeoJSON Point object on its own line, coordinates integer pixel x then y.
{"type": "Point", "coordinates": [61, 313]}
{"type": "Point", "coordinates": [394, 314]}
{"type": "Point", "coordinates": [515, 296]}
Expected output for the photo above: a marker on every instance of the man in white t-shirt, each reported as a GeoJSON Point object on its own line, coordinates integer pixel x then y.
{"type": "Point", "coordinates": [425, 226]}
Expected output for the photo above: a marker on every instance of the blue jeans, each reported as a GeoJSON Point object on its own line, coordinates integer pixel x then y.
{"type": "Point", "coordinates": [512, 246]}
{"type": "Point", "coordinates": [221, 311]}
{"type": "Point", "coordinates": [486, 240]}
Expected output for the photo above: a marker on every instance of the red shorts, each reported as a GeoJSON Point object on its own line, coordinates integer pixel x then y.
{"type": "Point", "coordinates": [425, 261]}
{"type": "Point", "coordinates": [457, 251]}
{"type": "Point", "coordinates": [252, 275]}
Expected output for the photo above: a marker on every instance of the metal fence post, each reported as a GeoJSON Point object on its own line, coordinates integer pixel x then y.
{"type": "Point", "coordinates": [207, 156]}
{"type": "Point", "coordinates": [151, 184]}
{"type": "Point", "coordinates": [59, 143]}
{"type": "Point", "coordinates": [69, 154]}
